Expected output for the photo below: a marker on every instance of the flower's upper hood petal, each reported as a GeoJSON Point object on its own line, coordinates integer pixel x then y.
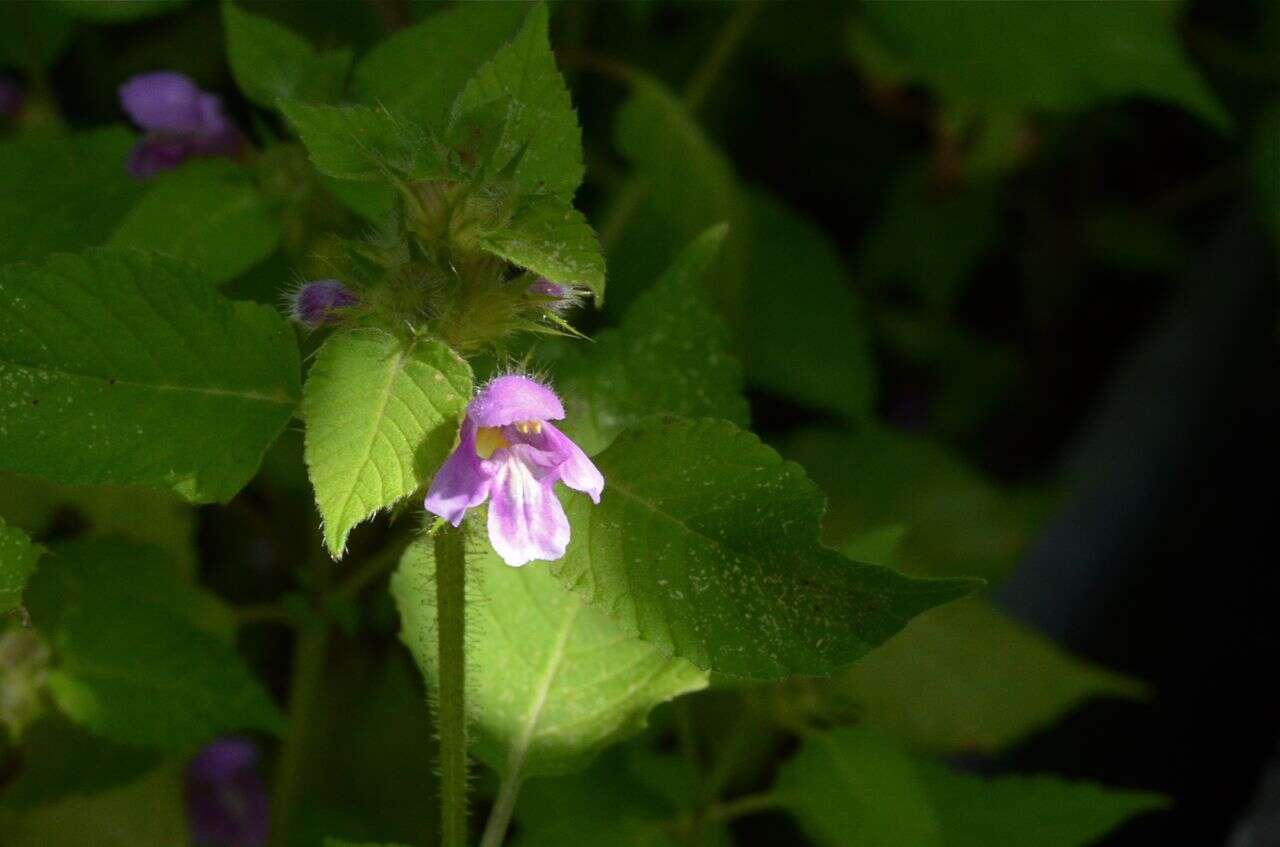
{"type": "Point", "coordinates": [512, 398]}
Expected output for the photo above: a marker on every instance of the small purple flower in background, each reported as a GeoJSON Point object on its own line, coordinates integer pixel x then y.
{"type": "Point", "coordinates": [11, 97]}
{"type": "Point", "coordinates": [226, 798]}
{"type": "Point", "coordinates": [510, 455]}
{"type": "Point", "coordinates": [180, 120]}
{"type": "Point", "coordinates": [317, 303]}
{"type": "Point", "coordinates": [560, 298]}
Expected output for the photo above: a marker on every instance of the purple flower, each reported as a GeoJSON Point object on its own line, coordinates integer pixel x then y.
{"type": "Point", "coordinates": [558, 298]}
{"type": "Point", "coordinates": [226, 797]}
{"type": "Point", "coordinates": [316, 303]}
{"type": "Point", "coordinates": [510, 455]}
{"type": "Point", "coordinates": [180, 120]}
{"type": "Point", "coordinates": [11, 97]}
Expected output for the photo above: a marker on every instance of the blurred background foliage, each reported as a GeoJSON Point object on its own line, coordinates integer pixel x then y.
{"type": "Point", "coordinates": [1001, 277]}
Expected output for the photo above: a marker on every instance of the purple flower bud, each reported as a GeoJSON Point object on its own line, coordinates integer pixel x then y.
{"type": "Point", "coordinates": [317, 303]}
{"type": "Point", "coordinates": [511, 456]}
{"type": "Point", "coordinates": [561, 297]}
{"type": "Point", "coordinates": [226, 797]}
{"type": "Point", "coordinates": [180, 120]}
{"type": "Point", "coordinates": [11, 97]}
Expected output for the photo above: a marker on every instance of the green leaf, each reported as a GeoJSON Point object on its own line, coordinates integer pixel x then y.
{"type": "Point", "coordinates": [1055, 57]}
{"type": "Point", "coordinates": [967, 679]}
{"type": "Point", "coordinates": [33, 35]}
{"type": "Point", "coordinates": [62, 760]}
{"type": "Point", "coordinates": [552, 239]}
{"type": "Point", "coordinates": [145, 515]}
{"type": "Point", "coordinates": [542, 127]}
{"type": "Point", "coordinates": [705, 543]}
{"type": "Point", "coordinates": [1043, 810]}
{"type": "Point", "coordinates": [684, 185]}
{"type": "Point", "coordinates": [119, 11]}
{"type": "Point", "coordinates": [959, 226]}
{"type": "Point", "coordinates": [147, 813]}
{"type": "Point", "coordinates": [550, 681]}
{"type": "Point", "coordinates": [851, 786]}
{"type": "Point", "coordinates": [63, 191]}
{"type": "Point", "coordinates": [153, 677]}
{"type": "Point", "coordinates": [364, 143]}
{"type": "Point", "coordinates": [805, 334]}
{"type": "Point", "coordinates": [418, 71]}
{"type": "Point", "coordinates": [335, 842]}
{"type": "Point", "coordinates": [602, 807]}
{"type": "Point", "coordinates": [797, 324]}
{"type": "Point", "coordinates": [381, 417]}
{"type": "Point", "coordinates": [668, 354]}
{"type": "Point", "coordinates": [210, 215]}
{"type": "Point", "coordinates": [124, 367]}
{"type": "Point", "coordinates": [961, 522]}
{"type": "Point", "coordinates": [271, 63]}
{"type": "Point", "coordinates": [18, 557]}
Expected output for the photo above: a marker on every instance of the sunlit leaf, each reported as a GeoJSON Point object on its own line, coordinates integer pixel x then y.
{"type": "Point", "coordinates": [381, 415]}
{"type": "Point", "coordinates": [706, 543]}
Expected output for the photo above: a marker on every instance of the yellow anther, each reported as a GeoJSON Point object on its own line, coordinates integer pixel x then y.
{"type": "Point", "coordinates": [526, 427]}
{"type": "Point", "coordinates": [489, 439]}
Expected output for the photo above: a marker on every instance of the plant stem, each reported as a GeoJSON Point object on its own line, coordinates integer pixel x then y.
{"type": "Point", "coordinates": [500, 815]}
{"type": "Point", "coordinates": [747, 805]}
{"type": "Point", "coordinates": [451, 717]}
{"type": "Point", "coordinates": [308, 664]}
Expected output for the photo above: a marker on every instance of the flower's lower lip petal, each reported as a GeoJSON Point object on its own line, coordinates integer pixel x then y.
{"type": "Point", "coordinates": [576, 470]}
{"type": "Point", "coordinates": [463, 481]}
{"type": "Point", "coordinates": [526, 520]}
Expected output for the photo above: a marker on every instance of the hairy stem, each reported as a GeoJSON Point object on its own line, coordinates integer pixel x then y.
{"type": "Point", "coordinates": [451, 717]}
{"type": "Point", "coordinates": [308, 665]}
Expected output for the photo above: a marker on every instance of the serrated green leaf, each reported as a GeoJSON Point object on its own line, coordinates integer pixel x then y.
{"type": "Point", "coordinates": [208, 214]}
{"type": "Point", "coordinates": [552, 239]}
{"type": "Point", "coordinates": [123, 367]}
{"type": "Point", "coordinates": [63, 191]}
{"type": "Point", "coordinates": [542, 127]}
{"type": "Point", "coordinates": [851, 786]}
{"type": "Point", "coordinates": [1047, 56]}
{"type": "Point", "coordinates": [706, 543]}
{"type": "Point", "coordinates": [381, 416]}
{"type": "Point", "coordinates": [960, 522]}
{"type": "Point", "coordinates": [670, 354]}
{"type": "Point", "coordinates": [967, 679]}
{"type": "Point", "coordinates": [364, 143]}
{"type": "Point", "coordinates": [151, 678]}
{"type": "Point", "coordinates": [271, 63]}
{"type": "Point", "coordinates": [418, 71]}
{"type": "Point", "coordinates": [146, 813]}
{"type": "Point", "coordinates": [550, 681]}
{"type": "Point", "coordinates": [18, 557]}
{"type": "Point", "coordinates": [120, 366]}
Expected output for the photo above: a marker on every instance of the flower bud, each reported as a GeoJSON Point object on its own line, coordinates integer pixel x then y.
{"type": "Point", "coordinates": [318, 303]}
{"type": "Point", "coordinates": [556, 297]}
{"type": "Point", "coordinates": [226, 798]}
